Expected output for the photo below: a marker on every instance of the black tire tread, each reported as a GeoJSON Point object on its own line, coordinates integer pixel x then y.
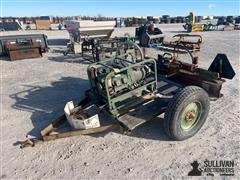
{"type": "Point", "coordinates": [175, 103]}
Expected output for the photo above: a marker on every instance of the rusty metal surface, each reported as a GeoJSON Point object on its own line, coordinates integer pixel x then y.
{"type": "Point", "coordinates": [50, 132]}
{"type": "Point", "coordinates": [24, 54]}
{"type": "Point", "coordinates": [54, 125]}
{"type": "Point", "coordinates": [179, 47]}
{"type": "Point", "coordinates": [143, 113]}
{"type": "Point", "coordinates": [12, 39]}
{"type": "Point", "coordinates": [189, 74]}
{"type": "Point", "coordinates": [31, 142]}
{"type": "Point", "coordinates": [42, 24]}
{"type": "Point", "coordinates": [80, 132]}
{"type": "Point", "coordinates": [237, 27]}
{"type": "Point", "coordinates": [228, 28]}
{"type": "Point", "coordinates": [21, 51]}
{"type": "Point", "coordinates": [212, 87]}
{"type": "Point", "coordinates": [28, 142]}
{"type": "Point", "coordinates": [183, 43]}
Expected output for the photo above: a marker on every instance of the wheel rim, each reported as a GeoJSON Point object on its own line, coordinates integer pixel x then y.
{"type": "Point", "coordinates": [191, 115]}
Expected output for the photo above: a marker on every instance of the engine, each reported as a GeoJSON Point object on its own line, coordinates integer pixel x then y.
{"type": "Point", "coordinates": [118, 81]}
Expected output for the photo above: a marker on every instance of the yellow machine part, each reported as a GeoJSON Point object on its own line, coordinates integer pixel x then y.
{"type": "Point", "coordinates": [197, 27]}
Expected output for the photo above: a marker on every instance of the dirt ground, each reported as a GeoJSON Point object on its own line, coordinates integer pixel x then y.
{"type": "Point", "coordinates": [34, 92]}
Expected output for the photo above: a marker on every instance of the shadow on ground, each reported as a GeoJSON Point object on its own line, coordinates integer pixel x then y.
{"type": "Point", "coordinates": [47, 103]}
{"type": "Point", "coordinates": [151, 130]}
{"type": "Point", "coordinates": [5, 58]}
{"type": "Point", "coordinates": [58, 42]}
{"type": "Point", "coordinates": [72, 58]}
{"type": "Point", "coordinates": [178, 32]}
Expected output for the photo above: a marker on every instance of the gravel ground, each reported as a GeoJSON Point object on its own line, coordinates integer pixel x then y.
{"type": "Point", "coordinates": [34, 92]}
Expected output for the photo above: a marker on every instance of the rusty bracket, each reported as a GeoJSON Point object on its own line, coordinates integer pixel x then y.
{"type": "Point", "coordinates": [80, 132]}
{"type": "Point", "coordinates": [49, 133]}
{"type": "Point", "coordinates": [29, 142]}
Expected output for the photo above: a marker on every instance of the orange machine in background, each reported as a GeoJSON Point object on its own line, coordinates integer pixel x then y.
{"type": "Point", "coordinates": [43, 24]}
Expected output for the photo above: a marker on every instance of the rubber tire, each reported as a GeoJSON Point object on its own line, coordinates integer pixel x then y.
{"type": "Point", "coordinates": [173, 113]}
